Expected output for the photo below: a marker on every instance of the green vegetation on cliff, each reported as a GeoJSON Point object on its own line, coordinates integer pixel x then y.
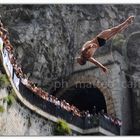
{"type": "Point", "coordinates": [62, 128]}
{"type": "Point", "coordinates": [4, 82]}
{"type": "Point", "coordinates": [1, 109]}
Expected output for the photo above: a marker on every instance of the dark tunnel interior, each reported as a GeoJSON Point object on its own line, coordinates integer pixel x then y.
{"type": "Point", "coordinates": [85, 97]}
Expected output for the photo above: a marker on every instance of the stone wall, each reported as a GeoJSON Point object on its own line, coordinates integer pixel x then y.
{"type": "Point", "coordinates": [132, 54]}
{"type": "Point", "coordinates": [19, 120]}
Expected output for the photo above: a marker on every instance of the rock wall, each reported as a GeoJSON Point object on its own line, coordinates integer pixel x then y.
{"type": "Point", "coordinates": [133, 73]}
{"type": "Point", "coordinates": [47, 38]}
{"type": "Point", "coordinates": [18, 120]}
{"type": "Point", "coordinates": [51, 35]}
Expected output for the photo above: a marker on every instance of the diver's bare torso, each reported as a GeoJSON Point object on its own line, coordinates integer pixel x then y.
{"type": "Point", "coordinates": [89, 48]}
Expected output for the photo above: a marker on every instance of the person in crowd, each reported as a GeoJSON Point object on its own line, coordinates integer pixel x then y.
{"type": "Point", "coordinates": [68, 106]}
{"type": "Point", "coordinates": [1, 41]}
{"type": "Point", "coordinates": [24, 80]}
{"type": "Point", "coordinates": [12, 59]}
{"type": "Point", "coordinates": [9, 47]}
{"type": "Point", "coordinates": [35, 88]}
{"type": "Point", "coordinates": [15, 66]}
{"type": "Point", "coordinates": [83, 113]}
{"type": "Point", "coordinates": [1, 34]}
{"type": "Point", "coordinates": [2, 29]}
{"type": "Point", "coordinates": [50, 98]}
{"type": "Point", "coordinates": [5, 38]}
{"type": "Point", "coordinates": [102, 112]}
{"type": "Point", "coordinates": [88, 114]}
{"type": "Point", "coordinates": [58, 103]}
{"type": "Point", "coordinates": [30, 85]}
{"type": "Point", "coordinates": [39, 92]}
{"type": "Point", "coordinates": [19, 72]}
{"type": "Point", "coordinates": [119, 122]}
{"type": "Point", "coordinates": [94, 110]}
{"type": "Point", "coordinates": [45, 95]}
{"type": "Point", "coordinates": [64, 104]}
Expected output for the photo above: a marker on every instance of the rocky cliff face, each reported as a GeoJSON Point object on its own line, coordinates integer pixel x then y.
{"type": "Point", "coordinates": [47, 38]}
{"type": "Point", "coordinates": [18, 120]}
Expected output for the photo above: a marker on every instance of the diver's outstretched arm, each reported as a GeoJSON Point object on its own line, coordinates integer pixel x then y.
{"type": "Point", "coordinates": [94, 61]}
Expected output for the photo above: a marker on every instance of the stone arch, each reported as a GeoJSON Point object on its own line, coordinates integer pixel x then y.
{"type": "Point", "coordinates": [132, 58]}
{"type": "Point", "coordinates": [75, 79]}
{"type": "Point", "coordinates": [131, 50]}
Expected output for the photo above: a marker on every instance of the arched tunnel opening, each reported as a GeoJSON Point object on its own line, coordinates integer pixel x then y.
{"type": "Point", "coordinates": [85, 96]}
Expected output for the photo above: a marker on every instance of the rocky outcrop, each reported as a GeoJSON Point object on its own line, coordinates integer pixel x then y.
{"type": "Point", "coordinates": [18, 120]}
{"type": "Point", "coordinates": [51, 35]}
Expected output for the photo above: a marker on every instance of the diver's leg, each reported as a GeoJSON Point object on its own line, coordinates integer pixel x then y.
{"type": "Point", "coordinates": [109, 33]}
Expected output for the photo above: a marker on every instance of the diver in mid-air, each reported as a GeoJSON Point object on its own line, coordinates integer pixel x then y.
{"type": "Point", "coordinates": [89, 48]}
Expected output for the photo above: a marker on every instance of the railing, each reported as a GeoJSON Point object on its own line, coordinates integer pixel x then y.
{"type": "Point", "coordinates": [82, 122]}
{"type": "Point", "coordinates": [108, 125]}
{"type": "Point", "coordinates": [51, 108]}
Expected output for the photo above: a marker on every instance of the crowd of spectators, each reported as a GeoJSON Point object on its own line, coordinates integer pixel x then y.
{"type": "Point", "coordinates": [43, 94]}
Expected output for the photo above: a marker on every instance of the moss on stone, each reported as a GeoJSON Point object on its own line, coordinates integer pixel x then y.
{"type": "Point", "coordinates": [10, 99]}
{"type": "Point", "coordinates": [62, 128]}
{"type": "Point", "coordinates": [1, 109]}
{"type": "Point", "coordinates": [4, 82]}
